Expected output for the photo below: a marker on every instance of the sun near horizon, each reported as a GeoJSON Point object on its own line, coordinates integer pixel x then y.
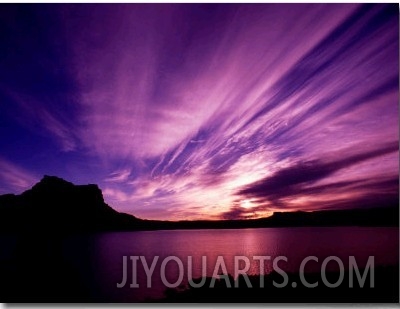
{"type": "Point", "coordinates": [183, 112]}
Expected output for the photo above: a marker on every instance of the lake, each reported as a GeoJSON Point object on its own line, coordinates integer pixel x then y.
{"type": "Point", "coordinates": [102, 265]}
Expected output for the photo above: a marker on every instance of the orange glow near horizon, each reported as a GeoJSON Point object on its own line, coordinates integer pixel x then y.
{"type": "Point", "coordinates": [199, 111]}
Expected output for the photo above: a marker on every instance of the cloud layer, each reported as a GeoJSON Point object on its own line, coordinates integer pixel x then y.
{"type": "Point", "coordinates": [213, 111]}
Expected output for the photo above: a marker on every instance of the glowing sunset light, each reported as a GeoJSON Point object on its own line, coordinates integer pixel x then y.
{"type": "Point", "coordinates": [204, 111]}
{"type": "Point", "coordinates": [246, 204]}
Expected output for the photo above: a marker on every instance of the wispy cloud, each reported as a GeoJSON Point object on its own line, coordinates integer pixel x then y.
{"type": "Point", "coordinates": [298, 184]}
{"type": "Point", "coordinates": [119, 176]}
{"type": "Point", "coordinates": [156, 94]}
{"type": "Point", "coordinates": [14, 178]}
{"type": "Point", "coordinates": [258, 111]}
{"type": "Point", "coordinates": [36, 116]}
{"type": "Point", "coordinates": [206, 111]}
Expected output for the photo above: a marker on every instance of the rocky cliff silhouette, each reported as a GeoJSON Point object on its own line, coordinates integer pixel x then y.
{"type": "Point", "coordinates": [54, 204]}
{"type": "Point", "coordinates": [37, 266]}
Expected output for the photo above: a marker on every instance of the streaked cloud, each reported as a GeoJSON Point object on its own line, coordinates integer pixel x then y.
{"type": "Point", "coordinates": [13, 178]}
{"type": "Point", "coordinates": [221, 111]}
{"type": "Point", "coordinates": [119, 176]}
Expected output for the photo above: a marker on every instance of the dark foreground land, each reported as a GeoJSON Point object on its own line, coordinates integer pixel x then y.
{"type": "Point", "coordinates": [385, 290]}
{"type": "Point", "coordinates": [38, 269]}
{"type": "Point", "coordinates": [57, 205]}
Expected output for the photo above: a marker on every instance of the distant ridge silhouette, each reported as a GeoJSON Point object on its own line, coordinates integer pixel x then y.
{"type": "Point", "coordinates": [41, 220]}
{"type": "Point", "coordinates": [54, 204]}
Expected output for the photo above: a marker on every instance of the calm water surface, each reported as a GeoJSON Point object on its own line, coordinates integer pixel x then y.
{"type": "Point", "coordinates": [104, 266]}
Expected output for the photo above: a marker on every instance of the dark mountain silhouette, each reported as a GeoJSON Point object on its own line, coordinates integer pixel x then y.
{"type": "Point", "coordinates": [57, 205]}
{"type": "Point", "coordinates": [36, 264]}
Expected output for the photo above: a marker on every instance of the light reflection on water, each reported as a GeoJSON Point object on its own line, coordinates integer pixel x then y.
{"type": "Point", "coordinates": [294, 243]}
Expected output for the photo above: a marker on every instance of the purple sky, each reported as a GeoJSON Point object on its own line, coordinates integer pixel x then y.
{"type": "Point", "coordinates": [203, 111]}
